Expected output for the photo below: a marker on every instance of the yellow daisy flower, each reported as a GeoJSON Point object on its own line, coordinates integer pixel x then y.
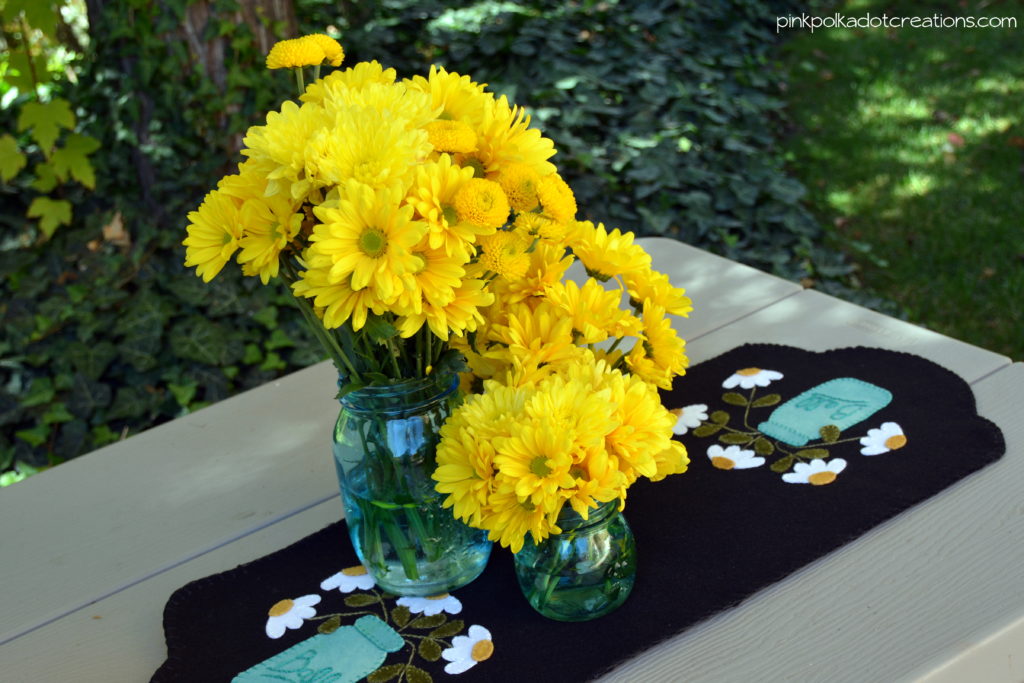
{"type": "Point", "coordinates": [332, 49]}
{"type": "Point", "coordinates": [457, 96]}
{"type": "Point", "coordinates": [459, 316]}
{"type": "Point", "coordinates": [504, 136]}
{"type": "Point", "coordinates": [370, 146]}
{"type": "Point", "coordinates": [269, 225]}
{"type": "Point", "coordinates": [451, 136]}
{"type": "Point", "coordinates": [537, 457]}
{"type": "Point", "coordinates": [509, 518]}
{"type": "Point", "coordinates": [650, 284]}
{"type": "Point", "coordinates": [336, 302]}
{"type": "Point", "coordinates": [331, 87]}
{"type": "Point", "coordinates": [607, 254]}
{"type": "Point", "coordinates": [368, 236]}
{"type": "Point", "coordinates": [548, 264]}
{"type": "Point", "coordinates": [432, 195]}
{"type": "Point", "coordinates": [594, 311]}
{"type": "Point", "coordinates": [464, 472]}
{"type": "Point", "coordinates": [556, 198]}
{"type": "Point", "coordinates": [538, 225]}
{"type": "Point", "coordinates": [520, 183]}
{"type": "Point", "coordinates": [536, 341]}
{"type": "Point", "coordinates": [644, 425]}
{"type": "Point", "coordinates": [482, 203]}
{"type": "Point", "coordinates": [295, 52]}
{"type": "Point", "coordinates": [581, 408]}
{"type": "Point", "coordinates": [280, 146]}
{"type": "Point", "coordinates": [661, 355]}
{"type": "Point", "coordinates": [672, 460]}
{"type": "Point", "coordinates": [504, 254]}
{"type": "Point", "coordinates": [597, 480]}
{"type": "Point", "coordinates": [214, 231]}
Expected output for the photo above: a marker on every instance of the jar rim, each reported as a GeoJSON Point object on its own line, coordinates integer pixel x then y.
{"type": "Point", "coordinates": [568, 518]}
{"type": "Point", "coordinates": [401, 389]}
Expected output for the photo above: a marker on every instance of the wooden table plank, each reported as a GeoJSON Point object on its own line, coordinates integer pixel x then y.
{"type": "Point", "coordinates": [109, 519]}
{"type": "Point", "coordinates": [902, 602]}
{"type": "Point", "coordinates": [120, 638]}
{"type": "Point", "coordinates": [907, 599]}
{"type": "Point", "coordinates": [816, 321]}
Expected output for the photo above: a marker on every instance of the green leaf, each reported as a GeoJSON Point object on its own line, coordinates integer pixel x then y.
{"type": "Point", "coordinates": [763, 446]}
{"type": "Point", "coordinates": [428, 622]}
{"type": "Point", "coordinates": [11, 158]}
{"type": "Point", "coordinates": [253, 354]}
{"type": "Point", "coordinates": [183, 393]}
{"type": "Point", "coordinates": [732, 398]}
{"type": "Point", "coordinates": [812, 453]}
{"type": "Point", "coordinates": [87, 396]}
{"type": "Point", "coordinates": [385, 673]}
{"type": "Point", "coordinates": [720, 417]}
{"type": "Point", "coordinates": [329, 625]}
{"type": "Point", "coordinates": [379, 329]}
{"type": "Point", "coordinates": [361, 600]}
{"type": "Point", "coordinates": [58, 412]}
{"type": "Point", "coordinates": [103, 435]}
{"type": "Point", "coordinates": [46, 179]}
{"type": "Point", "coordinates": [71, 160]}
{"type": "Point", "coordinates": [41, 391]}
{"type": "Point", "coordinates": [40, 14]}
{"type": "Point", "coordinates": [766, 400]}
{"type": "Point", "coordinates": [707, 429]}
{"type": "Point", "coordinates": [273, 362]}
{"type": "Point", "coordinates": [34, 437]}
{"type": "Point", "coordinates": [736, 439]}
{"type": "Point", "coordinates": [52, 213]}
{"type": "Point", "coordinates": [430, 650]}
{"type": "Point", "coordinates": [19, 72]}
{"type": "Point", "coordinates": [45, 119]}
{"type": "Point", "coordinates": [199, 339]}
{"type": "Point", "coordinates": [92, 359]}
{"type": "Point", "coordinates": [278, 339]}
{"type": "Point", "coordinates": [267, 317]}
{"type": "Point", "coordinates": [414, 674]}
{"type": "Point", "coordinates": [401, 616]}
{"type": "Point", "coordinates": [782, 464]}
{"type": "Point", "coordinates": [829, 433]}
{"type": "Point", "coordinates": [452, 628]}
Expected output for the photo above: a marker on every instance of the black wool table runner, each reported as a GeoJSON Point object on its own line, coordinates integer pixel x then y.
{"type": "Point", "coordinates": [792, 454]}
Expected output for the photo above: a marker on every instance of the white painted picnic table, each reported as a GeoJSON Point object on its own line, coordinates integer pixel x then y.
{"type": "Point", "coordinates": [91, 550]}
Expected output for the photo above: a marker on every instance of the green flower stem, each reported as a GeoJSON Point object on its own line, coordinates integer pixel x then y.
{"type": "Point", "coordinates": [551, 574]}
{"type": "Point", "coordinates": [403, 547]}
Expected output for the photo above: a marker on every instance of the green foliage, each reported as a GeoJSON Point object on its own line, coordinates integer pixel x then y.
{"type": "Point", "coordinates": [30, 38]}
{"type": "Point", "coordinates": [917, 169]}
{"type": "Point", "coordinates": [662, 113]}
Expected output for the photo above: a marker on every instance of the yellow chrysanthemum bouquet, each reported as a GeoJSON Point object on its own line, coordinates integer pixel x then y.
{"type": "Point", "coordinates": [420, 224]}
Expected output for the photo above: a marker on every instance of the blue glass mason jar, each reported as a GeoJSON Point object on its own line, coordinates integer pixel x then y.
{"type": "Point", "coordinates": [384, 451]}
{"type": "Point", "coordinates": [584, 572]}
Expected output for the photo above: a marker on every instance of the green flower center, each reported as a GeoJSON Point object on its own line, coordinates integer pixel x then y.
{"type": "Point", "coordinates": [539, 466]}
{"type": "Point", "coordinates": [451, 216]}
{"type": "Point", "coordinates": [373, 242]}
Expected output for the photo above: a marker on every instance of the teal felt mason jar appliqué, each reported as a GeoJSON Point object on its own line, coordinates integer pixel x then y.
{"type": "Point", "coordinates": [349, 654]}
{"type": "Point", "coordinates": [842, 402]}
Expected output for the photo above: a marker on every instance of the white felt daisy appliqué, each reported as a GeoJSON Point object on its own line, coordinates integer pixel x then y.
{"type": "Point", "coordinates": [288, 613]}
{"type": "Point", "coordinates": [888, 437]}
{"type": "Point", "coordinates": [468, 650]}
{"type": "Point", "coordinates": [431, 605]}
{"type": "Point", "coordinates": [349, 579]}
{"type": "Point", "coordinates": [816, 472]}
{"type": "Point", "coordinates": [748, 378]}
{"type": "Point", "coordinates": [733, 458]}
{"type": "Point", "coordinates": [689, 417]}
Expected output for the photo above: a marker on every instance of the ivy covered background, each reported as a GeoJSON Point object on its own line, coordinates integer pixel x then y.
{"type": "Point", "coordinates": [665, 114]}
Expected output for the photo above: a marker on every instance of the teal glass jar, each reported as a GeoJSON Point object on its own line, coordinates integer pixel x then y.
{"type": "Point", "coordinates": [584, 572]}
{"type": "Point", "coordinates": [384, 451]}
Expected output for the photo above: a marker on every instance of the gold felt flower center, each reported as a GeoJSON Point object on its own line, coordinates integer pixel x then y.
{"type": "Point", "coordinates": [442, 596]}
{"type": "Point", "coordinates": [747, 372]}
{"type": "Point", "coordinates": [358, 570]}
{"type": "Point", "coordinates": [822, 478]}
{"type": "Point", "coordinates": [895, 441]}
{"type": "Point", "coordinates": [722, 462]}
{"type": "Point", "coordinates": [282, 607]}
{"type": "Point", "coordinates": [482, 649]}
